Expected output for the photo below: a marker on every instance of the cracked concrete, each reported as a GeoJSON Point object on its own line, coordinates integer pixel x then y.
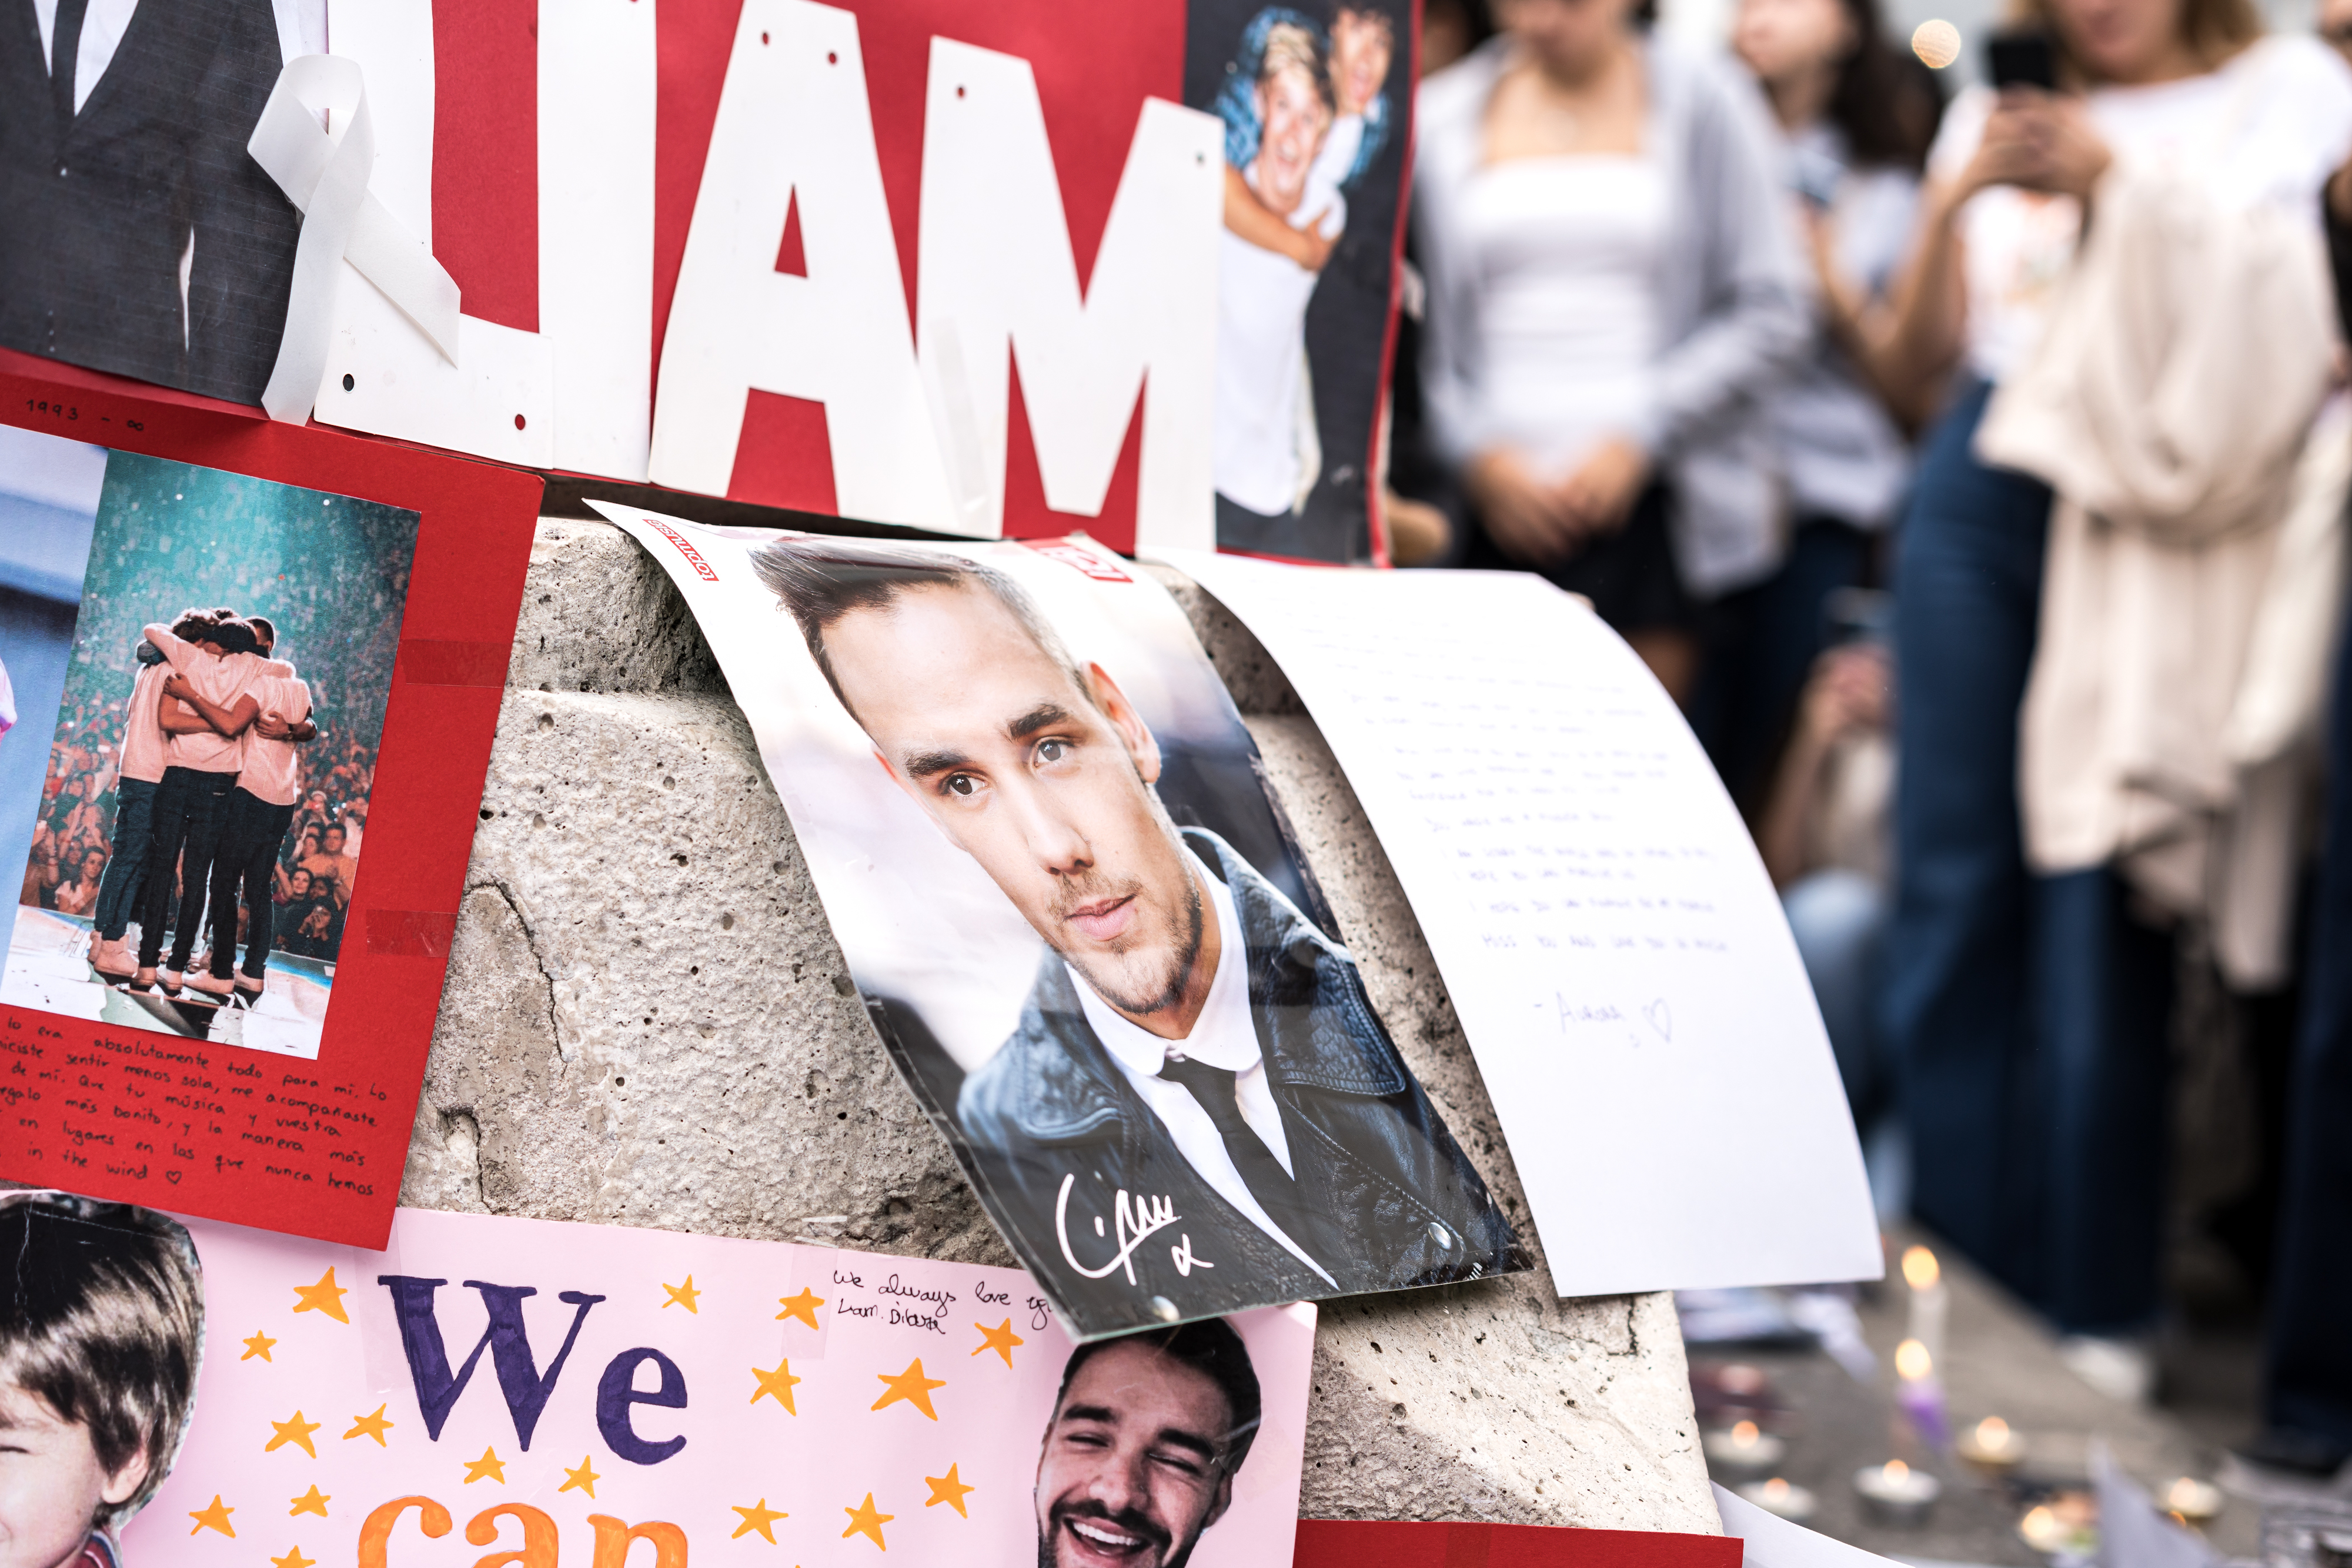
{"type": "Point", "coordinates": [647, 1022]}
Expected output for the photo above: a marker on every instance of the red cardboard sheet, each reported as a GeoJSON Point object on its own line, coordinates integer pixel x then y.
{"type": "Point", "coordinates": [1366, 1543]}
{"type": "Point", "coordinates": [314, 1148]}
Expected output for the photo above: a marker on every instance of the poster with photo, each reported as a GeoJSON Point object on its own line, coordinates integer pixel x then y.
{"type": "Point", "coordinates": [1316, 105]}
{"type": "Point", "coordinates": [239, 659]}
{"type": "Point", "coordinates": [587, 1393]}
{"type": "Point", "coordinates": [1081, 924]}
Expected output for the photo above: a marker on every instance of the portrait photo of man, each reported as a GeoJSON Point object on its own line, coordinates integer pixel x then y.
{"type": "Point", "coordinates": [1148, 1433]}
{"type": "Point", "coordinates": [1197, 1109]}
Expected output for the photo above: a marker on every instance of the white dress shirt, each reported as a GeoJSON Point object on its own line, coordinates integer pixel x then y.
{"type": "Point", "coordinates": [102, 27]}
{"type": "Point", "coordinates": [1223, 1036]}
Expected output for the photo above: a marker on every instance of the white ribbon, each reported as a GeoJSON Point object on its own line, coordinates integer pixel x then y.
{"type": "Point", "coordinates": [325, 176]}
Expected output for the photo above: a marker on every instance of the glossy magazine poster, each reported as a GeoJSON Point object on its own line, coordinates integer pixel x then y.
{"type": "Point", "coordinates": [1081, 924]}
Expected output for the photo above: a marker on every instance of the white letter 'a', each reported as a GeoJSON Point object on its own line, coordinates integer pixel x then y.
{"type": "Point", "coordinates": [998, 274]}
{"type": "Point", "coordinates": [793, 123]}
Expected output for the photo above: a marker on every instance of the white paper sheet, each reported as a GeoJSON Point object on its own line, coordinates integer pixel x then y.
{"type": "Point", "coordinates": [1614, 950]}
{"type": "Point", "coordinates": [1768, 1540]}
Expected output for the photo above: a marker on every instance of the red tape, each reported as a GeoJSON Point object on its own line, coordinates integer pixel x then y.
{"type": "Point", "coordinates": [410, 933]}
{"type": "Point", "coordinates": [425, 662]}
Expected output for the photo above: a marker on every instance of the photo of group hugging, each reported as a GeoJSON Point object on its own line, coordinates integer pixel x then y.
{"type": "Point", "coordinates": [218, 684]}
{"type": "Point", "coordinates": [1314, 159]}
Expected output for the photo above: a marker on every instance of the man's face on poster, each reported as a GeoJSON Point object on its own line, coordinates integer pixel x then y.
{"type": "Point", "coordinates": [1041, 781]}
{"type": "Point", "coordinates": [1362, 45]}
{"type": "Point", "coordinates": [1293, 116]}
{"type": "Point", "coordinates": [1135, 1463]}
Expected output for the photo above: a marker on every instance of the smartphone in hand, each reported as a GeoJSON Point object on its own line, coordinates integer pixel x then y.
{"type": "Point", "coordinates": [2023, 57]}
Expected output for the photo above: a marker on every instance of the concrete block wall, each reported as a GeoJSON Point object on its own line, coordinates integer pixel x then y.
{"type": "Point", "coordinates": [647, 1022]}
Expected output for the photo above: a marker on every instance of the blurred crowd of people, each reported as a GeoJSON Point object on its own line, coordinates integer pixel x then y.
{"type": "Point", "coordinates": [1971, 466]}
{"type": "Point", "coordinates": [311, 886]}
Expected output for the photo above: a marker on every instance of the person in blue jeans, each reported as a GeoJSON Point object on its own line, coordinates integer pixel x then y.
{"type": "Point", "coordinates": [139, 774]}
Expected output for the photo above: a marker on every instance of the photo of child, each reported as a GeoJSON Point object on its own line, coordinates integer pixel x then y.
{"type": "Point", "coordinates": [100, 1344]}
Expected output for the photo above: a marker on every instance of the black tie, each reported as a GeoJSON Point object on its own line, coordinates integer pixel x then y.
{"type": "Point", "coordinates": [65, 46]}
{"type": "Point", "coordinates": [1272, 1186]}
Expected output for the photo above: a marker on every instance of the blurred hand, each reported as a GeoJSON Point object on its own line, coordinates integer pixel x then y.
{"type": "Point", "coordinates": [272, 726]}
{"type": "Point", "coordinates": [1418, 532]}
{"type": "Point", "coordinates": [1529, 520]}
{"type": "Point", "coordinates": [1603, 490]}
{"type": "Point", "coordinates": [1848, 693]}
{"type": "Point", "coordinates": [177, 687]}
{"type": "Point", "coordinates": [2041, 141]}
{"type": "Point", "coordinates": [1306, 245]}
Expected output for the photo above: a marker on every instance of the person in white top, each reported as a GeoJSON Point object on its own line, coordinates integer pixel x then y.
{"type": "Point", "coordinates": [1996, 976]}
{"type": "Point", "coordinates": [201, 758]}
{"type": "Point", "coordinates": [1265, 450]}
{"type": "Point", "coordinates": [1193, 1044]}
{"type": "Point", "coordinates": [261, 808]}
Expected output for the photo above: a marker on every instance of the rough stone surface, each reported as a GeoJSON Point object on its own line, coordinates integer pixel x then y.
{"type": "Point", "coordinates": [647, 1022]}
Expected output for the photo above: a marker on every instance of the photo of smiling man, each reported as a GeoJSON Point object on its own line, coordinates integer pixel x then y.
{"type": "Point", "coordinates": [1147, 1436]}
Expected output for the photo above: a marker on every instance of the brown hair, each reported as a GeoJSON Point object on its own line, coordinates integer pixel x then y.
{"type": "Point", "coordinates": [103, 1322]}
{"type": "Point", "coordinates": [2213, 29]}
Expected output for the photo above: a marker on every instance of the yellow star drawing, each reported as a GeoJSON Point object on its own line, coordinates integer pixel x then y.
{"type": "Point", "coordinates": [489, 1465]}
{"type": "Point", "coordinates": [257, 1345]}
{"type": "Point", "coordinates": [911, 1385]}
{"type": "Point", "coordinates": [778, 1384]}
{"type": "Point", "coordinates": [1000, 1339]}
{"type": "Point", "coordinates": [948, 1490]}
{"type": "Point", "coordinates": [297, 1431]}
{"type": "Point", "coordinates": [374, 1426]}
{"type": "Point", "coordinates": [802, 1306]}
{"type": "Point", "coordinates": [683, 1296]}
{"type": "Point", "coordinates": [866, 1521]}
{"type": "Point", "coordinates": [326, 1296]}
{"type": "Point", "coordinates": [216, 1517]}
{"type": "Point", "coordinates": [293, 1559]}
{"type": "Point", "coordinates": [584, 1478]}
{"type": "Point", "coordinates": [759, 1517]}
{"type": "Point", "coordinates": [311, 1502]}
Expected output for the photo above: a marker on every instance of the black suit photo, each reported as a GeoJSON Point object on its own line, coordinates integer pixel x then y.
{"type": "Point", "coordinates": [103, 205]}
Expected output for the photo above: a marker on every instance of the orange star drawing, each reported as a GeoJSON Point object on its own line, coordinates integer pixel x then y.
{"type": "Point", "coordinates": [297, 1431]}
{"type": "Point", "coordinates": [802, 1306]}
{"type": "Point", "coordinates": [326, 1296]}
{"type": "Point", "coordinates": [489, 1465]}
{"type": "Point", "coordinates": [948, 1490]}
{"type": "Point", "coordinates": [911, 1385]}
{"type": "Point", "coordinates": [293, 1559]}
{"type": "Point", "coordinates": [683, 1296]}
{"type": "Point", "coordinates": [216, 1518]}
{"type": "Point", "coordinates": [374, 1426]}
{"type": "Point", "coordinates": [1000, 1339]}
{"type": "Point", "coordinates": [762, 1518]}
{"type": "Point", "coordinates": [866, 1521]}
{"type": "Point", "coordinates": [777, 1383]}
{"type": "Point", "coordinates": [311, 1502]}
{"type": "Point", "coordinates": [257, 1345]}
{"type": "Point", "coordinates": [584, 1478]}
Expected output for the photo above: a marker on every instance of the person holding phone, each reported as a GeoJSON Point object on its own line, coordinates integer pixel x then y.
{"type": "Point", "coordinates": [2005, 989]}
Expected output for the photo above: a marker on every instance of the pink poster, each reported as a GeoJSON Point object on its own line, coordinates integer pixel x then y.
{"type": "Point", "coordinates": [489, 1392]}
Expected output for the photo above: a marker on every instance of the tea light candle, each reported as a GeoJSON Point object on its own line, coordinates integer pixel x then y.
{"type": "Point", "coordinates": [1743, 1451]}
{"type": "Point", "coordinates": [2192, 1501]}
{"type": "Point", "coordinates": [2067, 1522]}
{"type": "Point", "coordinates": [1895, 1493]}
{"type": "Point", "coordinates": [1917, 1392]}
{"type": "Point", "coordinates": [1791, 1501]}
{"type": "Point", "coordinates": [1991, 1445]}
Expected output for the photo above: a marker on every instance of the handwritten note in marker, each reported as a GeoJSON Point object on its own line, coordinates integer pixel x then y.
{"type": "Point", "coordinates": [1614, 947]}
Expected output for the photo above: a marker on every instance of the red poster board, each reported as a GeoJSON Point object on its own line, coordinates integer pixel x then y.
{"type": "Point", "coordinates": [1382, 1543]}
{"type": "Point", "coordinates": [310, 1146]}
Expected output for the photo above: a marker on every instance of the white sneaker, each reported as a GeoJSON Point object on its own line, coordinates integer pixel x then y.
{"type": "Point", "coordinates": [2122, 1369]}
